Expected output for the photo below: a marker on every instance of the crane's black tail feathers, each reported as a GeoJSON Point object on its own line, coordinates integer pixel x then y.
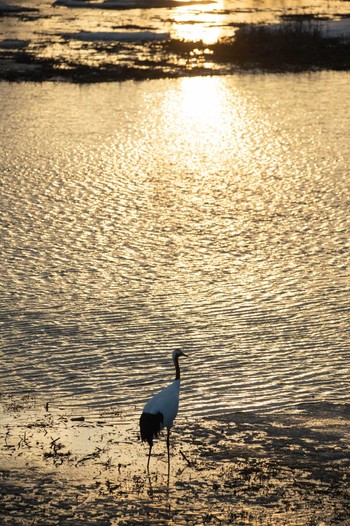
{"type": "Point", "coordinates": [150, 426]}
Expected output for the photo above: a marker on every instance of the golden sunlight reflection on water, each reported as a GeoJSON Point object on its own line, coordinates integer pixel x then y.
{"type": "Point", "coordinates": [206, 213]}
{"type": "Point", "coordinates": [202, 100]}
{"type": "Point", "coordinates": [206, 24]}
{"type": "Point", "coordinates": [201, 123]}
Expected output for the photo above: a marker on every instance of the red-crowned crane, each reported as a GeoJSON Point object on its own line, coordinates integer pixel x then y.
{"type": "Point", "coordinates": [161, 410]}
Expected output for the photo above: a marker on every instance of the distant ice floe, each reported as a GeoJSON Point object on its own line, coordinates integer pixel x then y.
{"type": "Point", "coordinates": [334, 28]}
{"type": "Point", "coordinates": [130, 36]}
{"type": "Point", "coordinates": [129, 4]}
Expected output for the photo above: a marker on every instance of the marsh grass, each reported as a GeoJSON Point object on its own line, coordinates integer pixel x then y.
{"type": "Point", "coordinates": [295, 45]}
{"type": "Point", "coordinates": [291, 45]}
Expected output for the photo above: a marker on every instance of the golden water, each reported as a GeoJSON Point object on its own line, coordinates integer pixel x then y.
{"type": "Point", "coordinates": [207, 213]}
{"type": "Point", "coordinates": [50, 32]}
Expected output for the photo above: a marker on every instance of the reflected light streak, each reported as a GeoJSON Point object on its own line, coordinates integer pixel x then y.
{"type": "Point", "coordinates": [208, 136]}
{"type": "Point", "coordinates": [199, 121]}
{"type": "Point", "coordinates": [195, 25]}
{"type": "Point", "coordinates": [201, 112]}
{"type": "Point", "coordinates": [202, 100]}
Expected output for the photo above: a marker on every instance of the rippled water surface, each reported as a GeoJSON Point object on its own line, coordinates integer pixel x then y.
{"type": "Point", "coordinates": [206, 213]}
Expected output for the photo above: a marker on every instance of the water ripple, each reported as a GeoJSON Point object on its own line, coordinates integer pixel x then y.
{"type": "Point", "coordinates": [226, 235]}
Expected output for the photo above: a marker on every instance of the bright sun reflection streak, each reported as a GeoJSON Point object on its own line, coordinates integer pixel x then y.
{"type": "Point", "coordinates": [207, 135]}
{"type": "Point", "coordinates": [202, 100]}
{"type": "Point", "coordinates": [201, 114]}
{"type": "Point", "coordinates": [203, 24]}
{"type": "Point", "coordinates": [200, 121]}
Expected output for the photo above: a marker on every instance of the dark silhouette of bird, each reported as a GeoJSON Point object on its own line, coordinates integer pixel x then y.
{"type": "Point", "coordinates": [161, 410]}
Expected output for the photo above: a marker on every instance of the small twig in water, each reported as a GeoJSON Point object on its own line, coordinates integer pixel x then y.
{"type": "Point", "coordinates": [23, 441]}
{"type": "Point", "coordinates": [185, 458]}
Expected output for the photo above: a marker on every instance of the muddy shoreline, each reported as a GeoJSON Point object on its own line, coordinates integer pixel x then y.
{"type": "Point", "coordinates": [60, 467]}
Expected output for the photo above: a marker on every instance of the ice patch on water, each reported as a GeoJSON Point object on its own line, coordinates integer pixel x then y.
{"type": "Point", "coordinates": [132, 36]}
{"type": "Point", "coordinates": [129, 4]}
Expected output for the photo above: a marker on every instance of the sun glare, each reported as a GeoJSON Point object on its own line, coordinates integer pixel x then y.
{"type": "Point", "coordinates": [202, 23]}
{"type": "Point", "coordinates": [202, 100]}
{"type": "Point", "coordinates": [201, 119]}
{"type": "Point", "coordinates": [197, 119]}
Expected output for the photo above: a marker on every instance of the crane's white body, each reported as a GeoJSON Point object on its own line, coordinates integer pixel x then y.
{"type": "Point", "coordinates": [166, 402]}
{"type": "Point", "coordinates": [161, 410]}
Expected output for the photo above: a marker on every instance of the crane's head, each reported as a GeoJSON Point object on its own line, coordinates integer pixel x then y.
{"type": "Point", "coordinates": [177, 353]}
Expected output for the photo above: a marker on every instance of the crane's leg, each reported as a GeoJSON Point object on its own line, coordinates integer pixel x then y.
{"type": "Point", "coordinates": [149, 457]}
{"type": "Point", "coordinates": [168, 448]}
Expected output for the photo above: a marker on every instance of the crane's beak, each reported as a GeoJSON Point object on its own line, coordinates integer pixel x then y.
{"type": "Point", "coordinates": [183, 354]}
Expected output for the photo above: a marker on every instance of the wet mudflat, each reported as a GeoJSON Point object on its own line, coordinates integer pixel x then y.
{"type": "Point", "coordinates": [241, 468]}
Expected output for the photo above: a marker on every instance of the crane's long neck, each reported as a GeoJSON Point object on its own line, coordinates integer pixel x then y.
{"type": "Point", "coordinates": [177, 368]}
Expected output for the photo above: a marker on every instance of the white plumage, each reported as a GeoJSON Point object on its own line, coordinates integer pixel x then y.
{"type": "Point", "coordinates": [161, 410]}
{"type": "Point", "coordinates": [166, 402]}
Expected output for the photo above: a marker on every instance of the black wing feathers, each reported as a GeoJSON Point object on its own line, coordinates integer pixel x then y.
{"type": "Point", "coordinates": [150, 426]}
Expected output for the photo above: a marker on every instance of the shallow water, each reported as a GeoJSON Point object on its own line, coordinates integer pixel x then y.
{"type": "Point", "coordinates": [54, 33]}
{"type": "Point", "coordinates": [242, 468]}
{"type": "Point", "coordinates": [207, 213]}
